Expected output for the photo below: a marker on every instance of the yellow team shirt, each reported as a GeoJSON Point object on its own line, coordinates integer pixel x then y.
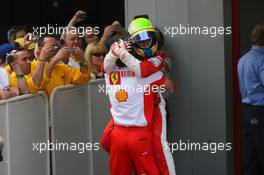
{"type": "Point", "coordinates": [31, 86]}
{"type": "Point", "coordinates": [13, 80]}
{"type": "Point", "coordinates": [8, 69]}
{"type": "Point", "coordinates": [62, 74]}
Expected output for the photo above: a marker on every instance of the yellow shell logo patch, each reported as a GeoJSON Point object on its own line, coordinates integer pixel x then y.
{"type": "Point", "coordinates": [121, 95]}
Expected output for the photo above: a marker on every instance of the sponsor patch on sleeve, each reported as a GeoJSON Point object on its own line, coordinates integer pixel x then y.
{"type": "Point", "coordinates": [156, 61]}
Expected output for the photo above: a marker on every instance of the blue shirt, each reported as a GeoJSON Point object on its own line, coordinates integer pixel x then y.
{"type": "Point", "coordinates": [251, 76]}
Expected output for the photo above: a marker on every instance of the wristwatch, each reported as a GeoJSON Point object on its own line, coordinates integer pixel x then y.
{"type": "Point", "coordinates": [20, 76]}
{"type": "Point", "coordinates": [83, 63]}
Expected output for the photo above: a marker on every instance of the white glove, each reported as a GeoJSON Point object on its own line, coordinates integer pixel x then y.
{"type": "Point", "coordinates": [110, 61]}
{"type": "Point", "coordinates": [128, 45]}
{"type": "Point", "coordinates": [131, 62]}
{"type": "Point", "coordinates": [119, 48]}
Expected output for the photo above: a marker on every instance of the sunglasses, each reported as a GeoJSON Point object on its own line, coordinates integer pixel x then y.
{"type": "Point", "coordinates": [98, 54]}
{"type": "Point", "coordinates": [10, 56]}
{"type": "Point", "coordinates": [14, 51]}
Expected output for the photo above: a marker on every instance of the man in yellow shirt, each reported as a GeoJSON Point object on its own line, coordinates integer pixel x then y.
{"type": "Point", "coordinates": [21, 77]}
{"type": "Point", "coordinates": [52, 71]}
{"type": "Point", "coordinates": [72, 40]}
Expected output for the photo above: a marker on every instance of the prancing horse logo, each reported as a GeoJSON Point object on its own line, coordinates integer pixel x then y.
{"type": "Point", "coordinates": [114, 77]}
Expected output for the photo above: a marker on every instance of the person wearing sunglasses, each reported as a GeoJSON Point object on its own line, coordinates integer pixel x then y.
{"type": "Point", "coordinates": [95, 54]}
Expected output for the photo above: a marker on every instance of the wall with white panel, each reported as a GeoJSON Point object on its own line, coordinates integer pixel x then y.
{"type": "Point", "coordinates": [201, 67]}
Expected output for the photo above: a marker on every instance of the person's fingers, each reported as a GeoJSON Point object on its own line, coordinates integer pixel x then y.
{"type": "Point", "coordinates": [14, 90]}
{"type": "Point", "coordinates": [79, 12]}
{"type": "Point", "coordinates": [62, 55]}
{"type": "Point", "coordinates": [47, 49]}
{"type": "Point", "coordinates": [80, 15]}
{"type": "Point", "coordinates": [82, 12]}
{"type": "Point", "coordinates": [108, 29]}
{"type": "Point", "coordinates": [116, 23]}
{"type": "Point", "coordinates": [79, 50]}
{"type": "Point", "coordinates": [128, 44]}
{"type": "Point", "coordinates": [122, 44]}
{"type": "Point", "coordinates": [76, 48]}
{"type": "Point", "coordinates": [26, 37]}
{"type": "Point", "coordinates": [115, 48]}
{"type": "Point", "coordinates": [51, 48]}
{"type": "Point", "coordinates": [64, 49]}
{"type": "Point", "coordinates": [64, 52]}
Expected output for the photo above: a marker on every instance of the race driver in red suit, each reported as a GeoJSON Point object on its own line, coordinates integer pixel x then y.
{"type": "Point", "coordinates": [148, 62]}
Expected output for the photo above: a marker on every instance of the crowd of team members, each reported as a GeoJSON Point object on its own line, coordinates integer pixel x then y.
{"type": "Point", "coordinates": [29, 65]}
